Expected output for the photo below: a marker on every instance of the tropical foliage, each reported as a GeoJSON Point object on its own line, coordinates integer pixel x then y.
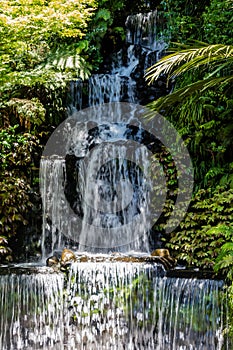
{"type": "Point", "coordinates": [202, 112]}
{"type": "Point", "coordinates": [224, 261]}
{"type": "Point", "coordinates": [224, 265]}
{"type": "Point", "coordinates": [42, 45]}
{"type": "Point", "coordinates": [217, 22]}
{"type": "Point", "coordinates": [214, 60]}
{"type": "Point", "coordinates": [206, 227]}
{"type": "Point", "coordinates": [184, 19]}
{"type": "Point", "coordinates": [201, 105]}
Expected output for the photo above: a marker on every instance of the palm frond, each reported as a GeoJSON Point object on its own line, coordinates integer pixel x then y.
{"type": "Point", "coordinates": [194, 89]}
{"type": "Point", "coordinates": [188, 59]}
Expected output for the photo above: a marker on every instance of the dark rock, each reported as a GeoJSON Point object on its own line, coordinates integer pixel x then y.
{"type": "Point", "coordinates": [52, 261]}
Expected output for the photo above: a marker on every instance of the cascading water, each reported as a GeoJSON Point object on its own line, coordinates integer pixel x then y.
{"type": "Point", "coordinates": [107, 305]}
{"type": "Point", "coordinates": [104, 88]}
{"type": "Point", "coordinates": [119, 306]}
{"type": "Point", "coordinates": [31, 310]}
{"type": "Point", "coordinates": [117, 86]}
{"type": "Point", "coordinates": [144, 48]}
{"type": "Point", "coordinates": [100, 181]}
{"type": "Point", "coordinates": [141, 30]}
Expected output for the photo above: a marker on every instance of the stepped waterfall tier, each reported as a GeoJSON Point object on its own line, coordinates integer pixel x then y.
{"type": "Point", "coordinates": [106, 306]}
{"type": "Point", "coordinates": [99, 200]}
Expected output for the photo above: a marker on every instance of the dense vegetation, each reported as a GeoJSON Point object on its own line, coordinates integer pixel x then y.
{"type": "Point", "coordinates": [201, 110]}
{"type": "Point", "coordinates": [201, 63]}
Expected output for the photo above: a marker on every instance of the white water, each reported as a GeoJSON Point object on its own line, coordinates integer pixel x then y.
{"type": "Point", "coordinates": [31, 310]}
{"type": "Point", "coordinates": [141, 30]}
{"type": "Point", "coordinates": [112, 195]}
{"type": "Point", "coordinates": [128, 305]}
{"type": "Point", "coordinates": [109, 306]}
{"type": "Point", "coordinates": [105, 88]}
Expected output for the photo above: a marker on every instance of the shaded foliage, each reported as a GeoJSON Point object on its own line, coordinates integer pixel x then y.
{"type": "Point", "coordinates": [183, 19]}
{"type": "Point", "coordinates": [217, 22]}
{"type": "Point", "coordinates": [197, 241]}
{"type": "Point", "coordinates": [18, 155]}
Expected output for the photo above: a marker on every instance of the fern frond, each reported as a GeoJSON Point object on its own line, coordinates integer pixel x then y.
{"type": "Point", "coordinates": [221, 228]}
{"type": "Point", "coordinates": [225, 263]}
{"type": "Point", "coordinates": [227, 247]}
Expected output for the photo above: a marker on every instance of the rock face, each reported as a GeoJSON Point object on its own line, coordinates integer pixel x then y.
{"type": "Point", "coordinates": [67, 258]}
{"type": "Point", "coordinates": [161, 252]}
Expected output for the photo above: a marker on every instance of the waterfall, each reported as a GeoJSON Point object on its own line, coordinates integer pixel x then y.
{"type": "Point", "coordinates": [118, 306]}
{"type": "Point", "coordinates": [141, 29]}
{"type": "Point", "coordinates": [97, 196]}
{"type": "Point", "coordinates": [101, 226]}
{"type": "Point", "coordinates": [76, 88]}
{"type": "Point", "coordinates": [104, 88]}
{"type": "Point", "coordinates": [144, 48]}
{"type": "Point", "coordinates": [109, 306]}
{"type": "Point", "coordinates": [118, 195]}
{"type": "Point", "coordinates": [52, 176]}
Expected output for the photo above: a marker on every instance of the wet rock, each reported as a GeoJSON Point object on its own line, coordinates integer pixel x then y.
{"type": "Point", "coordinates": [160, 252]}
{"type": "Point", "coordinates": [52, 261]}
{"type": "Point", "coordinates": [163, 255]}
{"type": "Point", "coordinates": [164, 258]}
{"type": "Point", "coordinates": [67, 257]}
{"type": "Point", "coordinates": [83, 258]}
{"type": "Point", "coordinates": [158, 256]}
